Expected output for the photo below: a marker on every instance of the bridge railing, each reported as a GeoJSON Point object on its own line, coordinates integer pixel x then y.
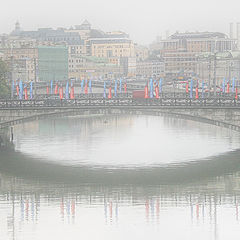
{"type": "Point", "coordinates": [119, 102]}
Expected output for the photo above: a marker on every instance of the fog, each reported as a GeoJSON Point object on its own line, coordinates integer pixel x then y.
{"type": "Point", "coordinates": [143, 20]}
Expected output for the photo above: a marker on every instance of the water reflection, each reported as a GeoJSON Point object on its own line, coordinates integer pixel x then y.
{"type": "Point", "coordinates": [41, 198]}
{"type": "Point", "coordinates": [126, 141]}
{"type": "Point", "coordinates": [28, 207]}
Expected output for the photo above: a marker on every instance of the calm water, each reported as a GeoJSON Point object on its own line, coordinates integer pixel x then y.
{"type": "Point", "coordinates": [128, 177]}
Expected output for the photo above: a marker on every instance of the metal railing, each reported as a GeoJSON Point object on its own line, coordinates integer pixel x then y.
{"type": "Point", "coordinates": [125, 102]}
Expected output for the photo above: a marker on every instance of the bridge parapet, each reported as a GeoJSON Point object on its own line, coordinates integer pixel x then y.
{"type": "Point", "coordinates": [219, 111]}
{"type": "Point", "coordinates": [174, 103]}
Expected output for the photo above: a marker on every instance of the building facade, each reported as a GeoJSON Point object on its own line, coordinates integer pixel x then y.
{"type": "Point", "coordinates": [52, 63]}
{"type": "Point", "coordinates": [151, 68]}
{"type": "Point", "coordinates": [112, 47]}
{"type": "Point", "coordinates": [180, 51]}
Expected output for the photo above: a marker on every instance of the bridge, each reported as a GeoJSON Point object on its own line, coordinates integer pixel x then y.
{"type": "Point", "coordinates": [219, 110]}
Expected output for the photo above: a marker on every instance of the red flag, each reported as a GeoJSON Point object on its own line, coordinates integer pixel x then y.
{"type": "Point", "coordinates": [157, 91]}
{"type": "Point", "coordinates": [61, 93]}
{"type": "Point", "coordinates": [125, 87]}
{"type": "Point", "coordinates": [110, 93]}
{"type": "Point", "coordinates": [56, 89]}
{"type": "Point", "coordinates": [72, 93]}
{"type": "Point", "coordinates": [17, 90]}
{"type": "Point", "coordinates": [196, 92]}
{"type": "Point", "coordinates": [187, 87]}
{"type": "Point", "coordinates": [146, 92]}
{"type": "Point", "coordinates": [86, 88]}
{"type": "Point", "coordinates": [26, 96]}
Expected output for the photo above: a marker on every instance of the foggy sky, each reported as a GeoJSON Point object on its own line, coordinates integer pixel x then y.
{"type": "Point", "coordinates": [143, 20]}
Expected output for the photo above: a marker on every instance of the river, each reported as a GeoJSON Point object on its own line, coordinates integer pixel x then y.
{"type": "Point", "coordinates": [120, 177]}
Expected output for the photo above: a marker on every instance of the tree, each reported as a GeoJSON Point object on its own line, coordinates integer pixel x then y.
{"type": "Point", "coordinates": [4, 86]}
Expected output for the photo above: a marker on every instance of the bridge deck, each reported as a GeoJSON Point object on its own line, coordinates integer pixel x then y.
{"type": "Point", "coordinates": [127, 102]}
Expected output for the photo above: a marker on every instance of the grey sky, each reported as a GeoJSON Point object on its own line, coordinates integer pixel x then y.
{"type": "Point", "coordinates": [143, 20]}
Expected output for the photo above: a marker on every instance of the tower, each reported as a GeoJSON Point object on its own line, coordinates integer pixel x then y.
{"type": "Point", "coordinates": [17, 26]}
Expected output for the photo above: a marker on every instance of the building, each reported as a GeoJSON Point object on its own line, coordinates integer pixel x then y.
{"type": "Point", "coordinates": [112, 47]}
{"type": "Point", "coordinates": [222, 65]}
{"type": "Point", "coordinates": [180, 63]}
{"type": "Point", "coordinates": [22, 62]}
{"type": "Point", "coordinates": [52, 63]}
{"type": "Point", "coordinates": [196, 42]}
{"type": "Point", "coordinates": [7, 41]}
{"type": "Point", "coordinates": [129, 65]}
{"type": "Point", "coordinates": [59, 35]}
{"type": "Point", "coordinates": [141, 52]}
{"type": "Point", "coordinates": [89, 67]}
{"type": "Point", "coordinates": [150, 68]}
{"type": "Point", "coordinates": [90, 51]}
{"type": "Point", "coordinates": [180, 50]}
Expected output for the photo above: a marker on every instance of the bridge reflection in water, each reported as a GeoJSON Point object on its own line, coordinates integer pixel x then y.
{"type": "Point", "coordinates": [195, 199]}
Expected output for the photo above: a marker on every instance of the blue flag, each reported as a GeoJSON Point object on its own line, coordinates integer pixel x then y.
{"type": "Point", "coordinates": [31, 90]}
{"type": "Point", "coordinates": [20, 90]}
{"type": "Point", "coordinates": [12, 93]}
{"type": "Point", "coordinates": [120, 85]}
{"type": "Point", "coordinates": [115, 89]}
{"type": "Point", "coordinates": [191, 88]}
{"type": "Point", "coordinates": [202, 89]}
{"type": "Point", "coordinates": [82, 84]}
{"type": "Point", "coordinates": [51, 85]}
{"type": "Point", "coordinates": [67, 91]}
{"type": "Point", "coordinates": [160, 85]}
{"type": "Point", "coordinates": [151, 88]}
{"type": "Point", "coordinates": [104, 90]}
{"type": "Point", "coordinates": [223, 86]}
{"type": "Point", "coordinates": [90, 86]}
{"type": "Point", "coordinates": [233, 84]}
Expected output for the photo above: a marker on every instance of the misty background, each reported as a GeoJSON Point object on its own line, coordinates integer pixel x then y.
{"type": "Point", "coordinates": [143, 20]}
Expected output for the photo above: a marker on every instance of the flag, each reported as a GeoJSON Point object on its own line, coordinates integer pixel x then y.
{"type": "Point", "coordinates": [82, 84]}
{"type": "Point", "coordinates": [51, 84]}
{"type": "Point", "coordinates": [12, 93]}
{"type": "Point", "coordinates": [146, 92]}
{"type": "Point", "coordinates": [120, 85]}
{"type": "Point", "coordinates": [56, 89]}
{"type": "Point", "coordinates": [90, 86]}
{"type": "Point", "coordinates": [110, 92]}
{"type": "Point", "coordinates": [25, 92]}
{"type": "Point", "coordinates": [115, 89]}
{"type": "Point", "coordinates": [31, 90]}
{"type": "Point", "coordinates": [223, 86]}
{"type": "Point", "coordinates": [157, 91]}
{"type": "Point", "coordinates": [86, 87]}
{"type": "Point", "coordinates": [233, 84]}
{"type": "Point", "coordinates": [20, 90]}
{"type": "Point", "coordinates": [151, 88]}
{"type": "Point", "coordinates": [104, 90]}
{"type": "Point", "coordinates": [160, 85]}
{"type": "Point", "coordinates": [67, 91]}
{"type": "Point", "coordinates": [191, 88]}
{"type": "Point", "coordinates": [202, 89]}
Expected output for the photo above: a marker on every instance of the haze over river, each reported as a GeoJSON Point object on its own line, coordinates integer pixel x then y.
{"type": "Point", "coordinates": [120, 177]}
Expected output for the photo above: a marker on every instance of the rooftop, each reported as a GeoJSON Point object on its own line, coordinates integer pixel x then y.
{"type": "Point", "coordinates": [192, 35]}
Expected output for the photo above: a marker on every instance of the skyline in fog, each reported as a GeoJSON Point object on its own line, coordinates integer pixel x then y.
{"type": "Point", "coordinates": [143, 21]}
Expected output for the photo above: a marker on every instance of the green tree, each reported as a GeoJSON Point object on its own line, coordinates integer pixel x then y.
{"type": "Point", "coordinates": [4, 86]}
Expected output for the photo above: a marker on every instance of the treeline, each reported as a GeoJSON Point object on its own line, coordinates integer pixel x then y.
{"type": "Point", "coordinates": [4, 86]}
